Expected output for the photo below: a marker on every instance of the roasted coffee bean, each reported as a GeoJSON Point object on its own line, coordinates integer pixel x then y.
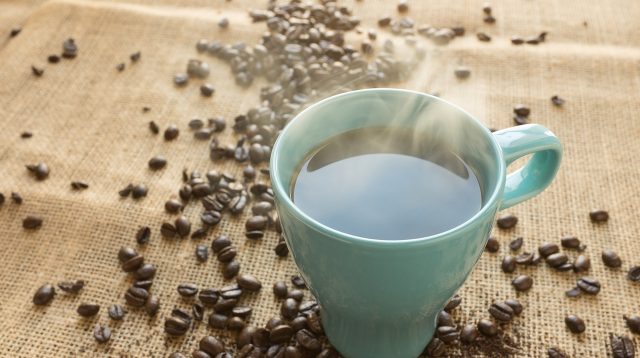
{"type": "Point", "coordinates": [487, 328]}
{"type": "Point", "coordinates": [274, 322]}
{"type": "Point", "coordinates": [515, 305]}
{"type": "Point", "coordinates": [508, 264]}
{"type": "Point", "coordinates": [435, 348]}
{"type": "Point", "coordinates": [53, 59]}
{"type": "Point", "coordinates": [281, 249]}
{"type": "Point", "coordinates": [261, 208]}
{"type": "Point", "coordinates": [299, 323]}
{"type": "Point", "coordinates": [210, 218]}
{"type": "Point", "coordinates": [581, 264]}
{"type": "Point", "coordinates": [611, 259]}
{"type": "Point", "coordinates": [565, 267]}
{"type": "Point", "coordinates": [44, 295]}
{"type": "Point", "coordinates": [139, 191]}
{"type": "Point", "coordinates": [197, 310]}
{"type": "Point", "coordinates": [536, 259]}
{"type": "Point", "coordinates": [308, 340]}
{"type": "Point", "coordinates": [207, 90]}
{"type": "Point", "coordinates": [445, 319]}
{"type": "Point", "coordinates": [132, 264]}
{"type": "Point", "coordinates": [126, 191]}
{"type": "Point", "coordinates": [180, 79]}
{"type": "Point", "coordinates": [622, 347]}
{"type": "Point", "coordinates": [79, 185]}
{"type": "Point", "coordinates": [453, 302]}
{"type": "Point", "coordinates": [69, 48]}
{"type": "Point", "coordinates": [136, 296]}
{"type": "Point", "coordinates": [469, 333]}
{"type": "Point", "coordinates": [634, 274]}
{"type": "Point", "coordinates": [570, 242]}
{"type": "Point", "coordinates": [501, 311]}
{"type": "Point", "coordinates": [187, 289]}
{"type": "Point", "coordinates": [143, 235]}
{"type": "Point", "coordinates": [507, 221]}
{"type": "Point", "coordinates": [489, 19]}
{"type": "Point", "coordinates": [260, 338]}
{"type": "Point", "coordinates": [32, 222]}
{"type": "Point", "coordinates": [231, 291]}
{"type": "Point", "coordinates": [200, 354]}
{"type": "Point", "coordinates": [289, 308]}
{"type": "Point", "coordinates": [589, 285]}
{"type": "Point", "coordinates": [153, 127]}
{"type": "Point", "coordinates": [134, 57]}
{"type": "Point", "coordinates": [208, 296]}
{"type": "Point", "coordinates": [249, 283]}
{"type": "Point", "coordinates": [241, 311]}
{"type": "Point", "coordinates": [173, 206]}
{"type": "Point", "coordinates": [493, 245]}
{"type": "Point", "coordinates": [556, 100]}
{"type": "Point", "coordinates": [202, 253]}
{"type": "Point", "coordinates": [146, 284]}
{"type": "Point", "coordinates": [116, 312]}
{"type": "Point", "coordinates": [152, 305]}
{"type": "Point", "coordinates": [235, 323]}
{"type": "Point", "coordinates": [230, 270]}
{"type": "Point", "coordinates": [298, 282]}
{"type": "Point", "coordinates": [146, 271]}
{"type": "Point", "coordinates": [547, 249]}
{"type": "Point", "coordinates": [196, 123]}
{"type": "Point", "coordinates": [525, 258]}
{"type": "Point", "coordinates": [280, 289]}
{"type": "Point", "coordinates": [225, 305]}
{"type": "Point", "coordinates": [281, 334]}
{"type": "Point", "coordinates": [254, 235]}
{"type": "Point", "coordinates": [88, 309]}
{"type": "Point", "coordinates": [599, 216]}
{"type": "Point", "coordinates": [447, 334]}
{"type": "Point", "coordinates": [574, 292]}
{"type": "Point", "coordinates": [227, 254]}
{"type": "Point", "coordinates": [183, 226]}
{"type": "Point", "coordinates": [237, 204]}
{"type": "Point", "coordinates": [554, 352]}
{"type": "Point", "coordinates": [296, 294]}
{"type": "Point", "coordinates": [171, 132]}
{"type": "Point", "coordinates": [520, 120]}
{"type": "Point", "coordinates": [462, 72]}
{"type": "Point", "coordinates": [199, 233]}
{"type": "Point", "coordinates": [557, 259]}
{"type": "Point", "coordinates": [211, 345]}
{"type": "Point", "coordinates": [182, 314]}
{"type": "Point", "coordinates": [16, 198]}
{"type": "Point", "coordinates": [15, 32]}
{"type": "Point", "coordinates": [126, 253]}
{"type": "Point", "coordinates": [71, 286]}
{"type": "Point", "coordinates": [168, 231]}
{"type": "Point", "coordinates": [177, 355]}
{"type": "Point", "coordinates": [483, 37]}
{"type": "Point", "coordinates": [102, 333]}
{"type": "Point", "coordinates": [157, 162]}
{"type": "Point", "coordinates": [245, 336]}
{"type": "Point", "coordinates": [521, 110]}
{"type": "Point", "coordinates": [256, 223]}
{"type": "Point", "coordinates": [575, 324]}
{"type": "Point", "coordinates": [218, 321]}
{"type": "Point", "coordinates": [522, 283]}
{"type": "Point", "coordinates": [176, 326]}
{"type": "Point", "coordinates": [633, 322]}
{"type": "Point", "coordinates": [120, 67]}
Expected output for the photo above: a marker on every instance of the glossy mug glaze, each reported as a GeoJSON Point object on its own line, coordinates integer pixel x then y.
{"type": "Point", "coordinates": [381, 298]}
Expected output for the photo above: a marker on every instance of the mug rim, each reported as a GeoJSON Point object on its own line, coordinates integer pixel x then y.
{"type": "Point", "coordinates": [284, 199]}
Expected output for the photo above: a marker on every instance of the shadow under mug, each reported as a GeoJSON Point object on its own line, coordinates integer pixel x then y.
{"type": "Point", "coordinates": [381, 298]}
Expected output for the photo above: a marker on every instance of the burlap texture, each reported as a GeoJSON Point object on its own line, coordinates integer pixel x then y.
{"type": "Point", "coordinates": [88, 125]}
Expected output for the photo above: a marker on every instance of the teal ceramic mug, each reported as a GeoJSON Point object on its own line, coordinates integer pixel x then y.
{"type": "Point", "coordinates": [381, 298]}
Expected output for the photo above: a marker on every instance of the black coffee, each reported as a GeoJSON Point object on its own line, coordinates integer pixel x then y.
{"type": "Point", "coordinates": [387, 184]}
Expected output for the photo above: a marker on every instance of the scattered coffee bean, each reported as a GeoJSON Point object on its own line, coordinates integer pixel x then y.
{"type": "Point", "coordinates": [187, 289]}
{"type": "Point", "coordinates": [126, 253]}
{"type": "Point", "coordinates": [197, 68]}
{"type": "Point", "coordinates": [575, 324]}
{"type": "Point", "coordinates": [132, 264]}
{"type": "Point", "coordinates": [611, 259]}
{"type": "Point", "coordinates": [180, 79]}
{"type": "Point", "coordinates": [102, 333]}
{"type": "Point", "coordinates": [515, 305]}
{"type": "Point", "coordinates": [447, 334]}
{"type": "Point", "coordinates": [462, 72]}
{"type": "Point", "coordinates": [241, 311]}
{"type": "Point", "coordinates": [487, 328]}
{"type": "Point", "coordinates": [522, 283]}
{"type": "Point", "coordinates": [622, 347]}
{"type": "Point", "coordinates": [139, 191]}
{"type": "Point", "coordinates": [589, 285]}
{"type": "Point", "coordinates": [79, 185]}
{"type": "Point", "coordinates": [599, 216]}
{"type": "Point", "coordinates": [634, 274]}
{"type": "Point", "coordinates": [88, 309]}
{"type": "Point", "coordinates": [516, 244]}
{"type": "Point", "coordinates": [403, 6]}
{"type": "Point", "coordinates": [298, 282]}
{"type": "Point", "coordinates": [26, 134]}
{"type": "Point", "coordinates": [15, 31]}
{"type": "Point", "coordinates": [308, 340]}
{"type": "Point", "coordinates": [289, 308]}
{"type": "Point", "coordinates": [143, 235]}
{"type": "Point", "coordinates": [548, 249]}
{"type": "Point", "coordinates": [134, 57]}
{"type": "Point", "coordinates": [501, 311]}
{"type": "Point", "coordinates": [574, 292]}
{"type": "Point", "coordinates": [554, 352]}
{"type": "Point", "coordinates": [197, 310]}
{"type": "Point", "coordinates": [120, 67]}
{"type": "Point", "coordinates": [183, 226]}
{"type": "Point", "coordinates": [231, 270]}
{"type": "Point", "coordinates": [211, 346]}
{"type": "Point", "coordinates": [507, 221]}
{"type": "Point", "coordinates": [557, 101]}
{"type": "Point", "coordinates": [517, 40]}
{"type": "Point", "coordinates": [171, 132]}
{"type": "Point", "coordinates": [145, 272]}
{"type": "Point", "coordinates": [489, 19]}
{"type": "Point", "coordinates": [153, 127]}
{"type": "Point", "coordinates": [454, 302]}
{"type": "Point", "coordinates": [581, 264]}
{"type": "Point", "coordinates": [202, 253]}
{"type": "Point", "coordinates": [16, 198]}
{"type": "Point", "coordinates": [71, 287]}
{"type": "Point", "coordinates": [249, 283]}
{"type": "Point", "coordinates": [136, 296]}
{"type": "Point", "coordinates": [44, 295]}
{"type": "Point", "coordinates": [556, 260]}
{"type": "Point", "coordinates": [218, 321]}
{"type": "Point", "coordinates": [525, 258]}
{"type": "Point", "coordinates": [493, 245]}
{"type": "Point", "coordinates": [570, 242]}
{"type": "Point", "coordinates": [168, 231]}
{"type": "Point", "coordinates": [435, 348]}
{"type": "Point", "coordinates": [508, 264]}
{"type": "Point", "coordinates": [176, 326]}
{"type": "Point", "coordinates": [223, 23]}
{"type": "Point", "coordinates": [152, 305]}
{"type": "Point", "coordinates": [483, 37]}
{"type": "Point", "coordinates": [173, 206]}
{"type": "Point", "coordinates": [157, 162]}
{"type": "Point", "coordinates": [32, 222]}
{"type": "Point", "coordinates": [280, 289]}
{"type": "Point", "coordinates": [69, 48]}
{"type": "Point", "coordinates": [633, 322]}
{"type": "Point", "coordinates": [469, 333]}
{"type": "Point", "coordinates": [296, 294]}
{"type": "Point", "coordinates": [37, 71]}
{"type": "Point", "coordinates": [40, 170]}
{"type": "Point", "coordinates": [116, 312]}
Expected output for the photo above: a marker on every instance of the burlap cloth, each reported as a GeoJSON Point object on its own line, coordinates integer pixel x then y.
{"type": "Point", "coordinates": [88, 125]}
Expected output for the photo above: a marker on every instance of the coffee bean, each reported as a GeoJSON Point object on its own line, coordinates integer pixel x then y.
{"type": "Point", "coordinates": [483, 37]}
{"type": "Point", "coordinates": [139, 191]}
{"type": "Point", "coordinates": [254, 235]}
{"type": "Point", "coordinates": [102, 333]}
{"type": "Point", "coordinates": [308, 340]}
{"type": "Point", "coordinates": [599, 216]}
{"type": "Point", "coordinates": [501, 311]}
{"type": "Point", "coordinates": [227, 254]}
{"type": "Point", "coordinates": [520, 120]}
{"type": "Point", "coordinates": [88, 309]}
{"type": "Point", "coordinates": [40, 170]}
{"type": "Point", "coordinates": [126, 253]}
{"type": "Point", "coordinates": [79, 185]}
{"type": "Point", "coordinates": [574, 292]}
{"type": "Point", "coordinates": [231, 270]}
{"type": "Point", "coordinates": [181, 313]}
{"type": "Point", "coordinates": [145, 272]}
{"type": "Point", "coordinates": [218, 321]}
{"type": "Point", "coordinates": [126, 191]}
{"type": "Point", "coordinates": [299, 323]}
{"type": "Point", "coordinates": [493, 245]}
{"type": "Point", "coordinates": [71, 287]}
{"type": "Point", "coordinates": [289, 308]}
{"type": "Point", "coordinates": [202, 253]}
{"type": "Point", "coordinates": [581, 264]}
{"type": "Point", "coordinates": [120, 67]}
{"type": "Point", "coordinates": [261, 208]}
{"type": "Point", "coordinates": [116, 312]}
{"type": "Point", "coordinates": [281, 334]}
{"type": "Point", "coordinates": [132, 264]}
{"type": "Point", "coordinates": [187, 289]}
{"type": "Point", "coordinates": [136, 296]}
{"type": "Point", "coordinates": [177, 355]}
{"type": "Point", "coordinates": [280, 289]}
{"type": "Point", "coordinates": [296, 294]}
{"type": "Point", "coordinates": [32, 222]}
{"type": "Point", "coordinates": [516, 244]}
{"type": "Point", "coordinates": [168, 231]}
{"type": "Point", "coordinates": [157, 162]}
{"type": "Point", "coordinates": [525, 258]}
{"type": "Point", "coordinates": [176, 326]}
{"type": "Point", "coordinates": [198, 311]}
{"type": "Point", "coordinates": [241, 311]}
{"type": "Point", "coordinates": [298, 282]}
{"type": "Point", "coordinates": [517, 40]}
{"type": "Point", "coordinates": [143, 235]}
{"type": "Point", "coordinates": [445, 319]}
{"type": "Point", "coordinates": [69, 48]}
{"type": "Point", "coordinates": [611, 259]}
{"type": "Point", "coordinates": [16, 198]}
{"type": "Point", "coordinates": [146, 284]}
{"type": "Point", "coordinates": [183, 226]}
{"type": "Point", "coordinates": [384, 21]}
{"type": "Point", "coordinates": [634, 274]}
{"type": "Point", "coordinates": [210, 218]}
{"type": "Point", "coordinates": [225, 305]}
{"type": "Point", "coordinates": [200, 354]}
{"type": "Point", "coordinates": [207, 90]}
{"type": "Point", "coordinates": [522, 283]}
{"type": "Point", "coordinates": [152, 305]}
{"type": "Point", "coordinates": [462, 72]}
{"type": "Point", "coordinates": [245, 336]}
{"type": "Point", "coordinates": [487, 328]}
{"type": "Point", "coordinates": [235, 323]}
{"type": "Point", "coordinates": [173, 206]}
{"type": "Point", "coordinates": [570, 242]}
{"type": "Point", "coordinates": [469, 333]}
{"type": "Point", "coordinates": [256, 223]}
{"type": "Point", "coordinates": [196, 124]}
{"type": "Point", "coordinates": [134, 57]}
{"type": "Point", "coordinates": [589, 285]}
{"type": "Point", "coordinates": [44, 295]}
{"type": "Point", "coordinates": [554, 352]}
{"type": "Point", "coordinates": [489, 19]}
{"type": "Point", "coordinates": [447, 334]}
{"type": "Point", "coordinates": [521, 110]}
{"type": "Point", "coordinates": [547, 249]}
{"type": "Point", "coordinates": [557, 259]}
{"type": "Point", "coordinates": [507, 221]}
{"type": "Point", "coordinates": [508, 264]}
{"type": "Point", "coordinates": [171, 132]}
{"type": "Point", "coordinates": [197, 68]}
{"type": "Point", "coordinates": [208, 296]}
{"type": "Point", "coordinates": [180, 79]}
{"type": "Point", "coordinates": [260, 338]}
{"type": "Point", "coordinates": [15, 31]}
{"type": "Point", "coordinates": [249, 283]}
{"type": "Point", "coordinates": [575, 324]}
{"type": "Point", "coordinates": [557, 101]}
{"type": "Point", "coordinates": [211, 345]}
{"type": "Point", "coordinates": [515, 305]}
{"type": "Point", "coordinates": [633, 322]}
{"type": "Point", "coordinates": [622, 347]}
{"type": "Point", "coordinates": [435, 348]}
{"type": "Point", "coordinates": [453, 302]}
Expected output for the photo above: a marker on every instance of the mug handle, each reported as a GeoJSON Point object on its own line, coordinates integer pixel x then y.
{"type": "Point", "coordinates": [539, 171]}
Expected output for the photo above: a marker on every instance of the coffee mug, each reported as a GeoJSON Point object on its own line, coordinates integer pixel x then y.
{"type": "Point", "coordinates": [381, 298]}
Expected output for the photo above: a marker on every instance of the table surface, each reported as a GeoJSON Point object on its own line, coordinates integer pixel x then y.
{"type": "Point", "coordinates": [88, 125]}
